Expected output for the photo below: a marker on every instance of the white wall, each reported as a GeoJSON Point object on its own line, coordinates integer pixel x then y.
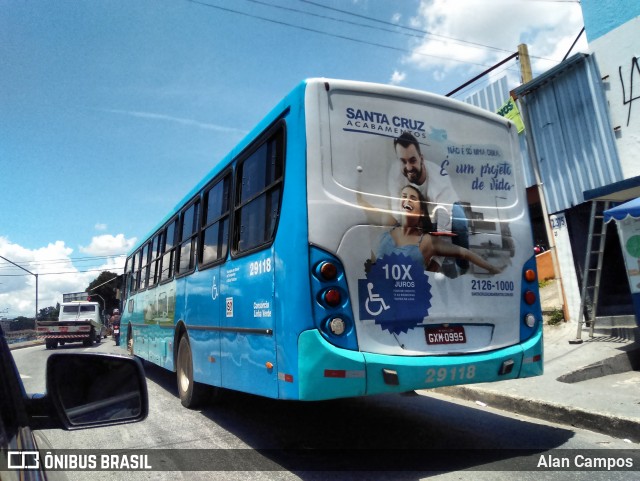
{"type": "Point", "coordinates": [618, 54]}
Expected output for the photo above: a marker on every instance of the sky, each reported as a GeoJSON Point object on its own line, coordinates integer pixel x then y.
{"type": "Point", "coordinates": [112, 111]}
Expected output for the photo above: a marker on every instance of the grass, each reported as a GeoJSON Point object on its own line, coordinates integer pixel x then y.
{"type": "Point", "coordinates": [555, 317]}
{"type": "Point", "coordinates": [544, 283]}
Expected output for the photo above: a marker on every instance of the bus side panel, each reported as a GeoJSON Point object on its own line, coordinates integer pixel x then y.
{"type": "Point", "coordinates": [292, 287]}
{"type": "Point", "coordinates": [140, 330]}
{"type": "Point", "coordinates": [248, 352]}
{"type": "Point", "coordinates": [203, 307]}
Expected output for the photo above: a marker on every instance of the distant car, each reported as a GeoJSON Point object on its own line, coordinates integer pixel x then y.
{"type": "Point", "coordinates": [105, 389]}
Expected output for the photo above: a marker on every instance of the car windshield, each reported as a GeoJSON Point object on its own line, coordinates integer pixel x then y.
{"type": "Point", "coordinates": [70, 309]}
{"type": "Point", "coordinates": [87, 308]}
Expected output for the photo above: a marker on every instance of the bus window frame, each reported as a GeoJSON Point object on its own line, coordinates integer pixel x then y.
{"type": "Point", "coordinates": [136, 269]}
{"type": "Point", "coordinates": [193, 236]}
{"type": "Point", "coordinates": [226, 173]}
{"type": "Point", "coordinates": [155, 256]}
{"type": "Point", "coordinates": [172, 259]}
{"type": "Point", "coordinates": [144, 265]}
{"type": "Point", "coordinates": [279, 127]}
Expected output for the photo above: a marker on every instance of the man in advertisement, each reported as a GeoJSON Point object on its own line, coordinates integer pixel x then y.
{"type": "Point", "coordinates": [447, 213]}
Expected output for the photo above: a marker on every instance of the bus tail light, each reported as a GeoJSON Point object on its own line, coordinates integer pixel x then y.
{"type": "Point", "coordinates": [332, 311]}
{"type": "Point", "coordinates": [530, 309]}
{"type": "Point", "coordinates": [328, 271]}
{"type": "Point", "coordinates": [530, 297]}
{"type": "Point", "coordinates": [530, 275]}
{"type": "Point", "coordinates": [332, 297]}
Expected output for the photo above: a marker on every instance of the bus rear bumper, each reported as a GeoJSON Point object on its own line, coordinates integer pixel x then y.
{"type": "Point", "coordinates": [328, 372]}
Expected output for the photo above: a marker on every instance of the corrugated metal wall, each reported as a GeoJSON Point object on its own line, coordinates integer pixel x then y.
{"type": "Point", "coordinates": [570, 128]}
{"type": "Point", "coordinates": [492, 98]}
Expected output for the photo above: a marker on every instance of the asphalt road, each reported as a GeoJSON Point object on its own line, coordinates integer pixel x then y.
{"type": "Point", "coordinates": [251, 437]}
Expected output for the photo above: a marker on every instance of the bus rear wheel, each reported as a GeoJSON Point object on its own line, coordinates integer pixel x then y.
{"type": "Point", "coordinates": [191, 393]}
{"type": "Point", "coordinates": [130, 342]}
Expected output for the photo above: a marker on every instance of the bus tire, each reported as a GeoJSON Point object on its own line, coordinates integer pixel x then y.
{"type": "Point", "coordinates": [51, 344]}
{"type": "Point", "coordinates": [130, 349]}
{"type": "Point", "coordinates": [191, 393]}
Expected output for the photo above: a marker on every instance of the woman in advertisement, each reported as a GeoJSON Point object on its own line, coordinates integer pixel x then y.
{"type": "Point", "coordinates": [408, 237]}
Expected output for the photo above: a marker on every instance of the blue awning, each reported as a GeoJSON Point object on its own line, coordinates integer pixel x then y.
{"type": "Point", "coordinates": [622, 211]}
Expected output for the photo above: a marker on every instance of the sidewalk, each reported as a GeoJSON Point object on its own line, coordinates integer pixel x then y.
{"type": "Point", "coordinates": [594, 385]}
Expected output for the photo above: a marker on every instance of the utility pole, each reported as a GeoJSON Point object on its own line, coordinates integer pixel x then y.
{"type": "Point", "coordinates": [525, 63]}
{"type": "Point", "coordinates": [527, 76]}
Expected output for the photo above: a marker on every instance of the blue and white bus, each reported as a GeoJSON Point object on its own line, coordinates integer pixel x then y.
{"type": "Point", "coordinates": [362, 239]}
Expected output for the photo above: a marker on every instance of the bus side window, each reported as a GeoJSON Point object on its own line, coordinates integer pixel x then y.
{"type": "Point", "coordinates": [215, 222]}
{"type": "Point", "coordinates": [188, 239]}
{"type": "Point", "coordinates": [144, 271]}
{"type": "Point", "coordinates": [259, 189]}
{"type": "Point", "coordinates": [166, 266]}
{"type": "Point", "coordinates": [135, 274]}
{"type": "Point", "coordinates": [154, 273]}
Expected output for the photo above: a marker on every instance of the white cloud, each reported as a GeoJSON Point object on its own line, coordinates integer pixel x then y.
{"type": "Point", "coordinates": [178, 120]}
{"type": "Point", "coordinates": [397, 78]}
{"type": "Point", "coordinates": [107, 245]}
{"type": "Point", "coordinates": [57, 273]}
{"type": "Point", "coordinates": [100, 226]}
{"type": "Point", "coordinates": [548, 29]}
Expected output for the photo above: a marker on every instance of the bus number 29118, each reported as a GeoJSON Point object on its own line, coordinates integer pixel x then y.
{"type": "Point", "coordinates": [460, 373]}
{"type": "Point", "coordinates": [260, 267]}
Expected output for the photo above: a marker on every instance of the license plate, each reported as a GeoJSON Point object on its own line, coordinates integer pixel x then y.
{"type": "Point", "coordinates": [445, 335]}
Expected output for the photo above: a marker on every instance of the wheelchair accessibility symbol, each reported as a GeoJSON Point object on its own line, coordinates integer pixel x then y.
{"type": "Point", "coordinates": [390, 298]}
{"type": "Point", "coordinates": [214, 289]}
{"type": "Point", "coordinates": [374, 299]}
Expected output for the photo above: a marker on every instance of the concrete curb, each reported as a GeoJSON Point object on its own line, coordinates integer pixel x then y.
{"type": "Point", "coordinates": [23, 344]}
{"type": "Point", "coordinates": [603, 423]}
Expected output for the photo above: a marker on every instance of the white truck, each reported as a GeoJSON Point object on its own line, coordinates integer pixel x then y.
{"type": "Point", "coordinates": [78, 321]}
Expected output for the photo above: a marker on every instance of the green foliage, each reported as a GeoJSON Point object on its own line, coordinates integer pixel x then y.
{"type": "Point", "coordinates": [555, 317]}
{"type": "Point", "coordinates": [103, 288]}
{"type": "Point", "coordinates": [49, 313]}
{"type": "Point", "coordinates": [22, 323]}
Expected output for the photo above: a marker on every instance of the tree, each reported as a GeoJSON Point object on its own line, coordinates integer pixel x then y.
{"type": "Point", "coordinates": [49, 313]}
{"type": "Point", "coordinates": [105, 286]}
{"type": "Point", "coordinates": [21, 323]}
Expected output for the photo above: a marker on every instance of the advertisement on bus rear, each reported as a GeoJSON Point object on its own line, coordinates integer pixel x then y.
{"type": "Point", "coordinates": [435, 258]}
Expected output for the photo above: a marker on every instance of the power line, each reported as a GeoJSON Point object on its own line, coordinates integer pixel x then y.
{"type": "Point", "coordinates": [424, 32]}
{"type": "Point", "coordinates": [412, 29]}
{"type": "Point", "coordinates": [69, 259]}
{"type": "Point", "coordinates": [62, 273]}
{"type": "Point", "coordinates": [342, 37]}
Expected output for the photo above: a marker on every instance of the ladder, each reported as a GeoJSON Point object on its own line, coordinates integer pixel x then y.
{"type": "Point", "coordinates": [592, 269]}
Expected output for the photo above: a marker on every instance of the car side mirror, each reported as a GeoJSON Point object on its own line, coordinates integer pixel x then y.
{"type": "Point", "coordinates": [88, 390]}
